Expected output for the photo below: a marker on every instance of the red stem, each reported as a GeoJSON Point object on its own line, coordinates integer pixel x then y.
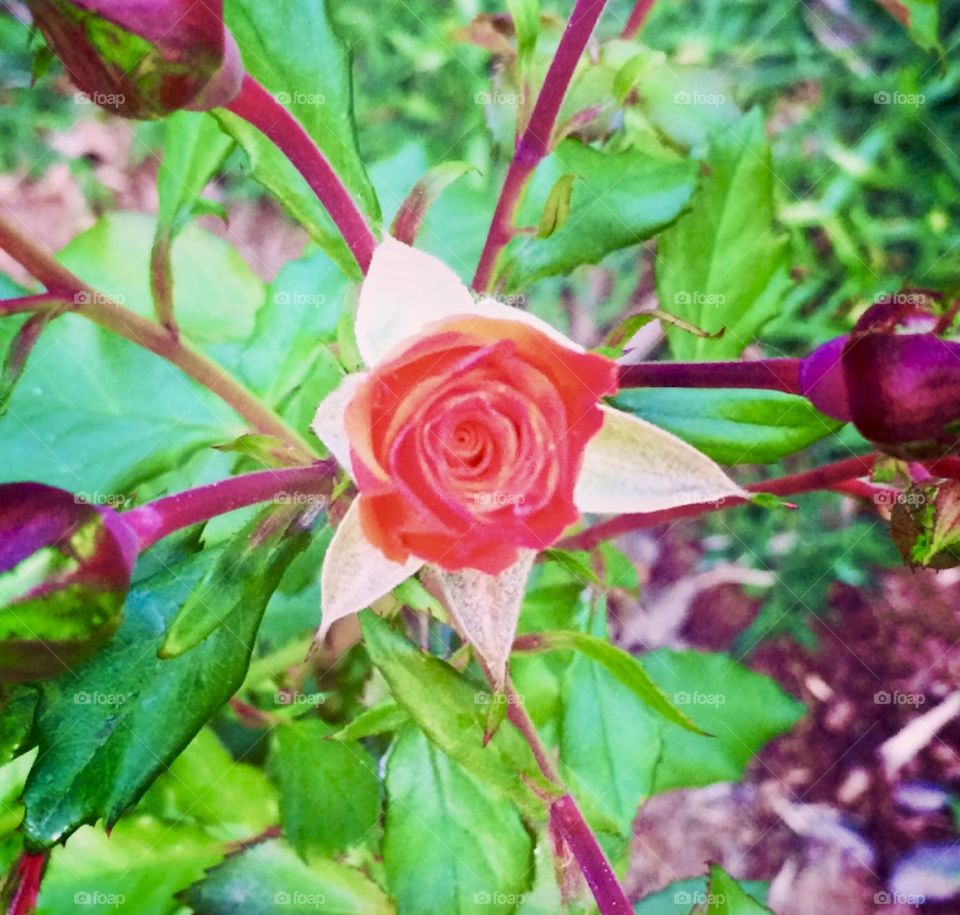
{"type": "Point", "coordinates": [159, 519]}
{"type": "Point", "coordinates": [534, 143]}
{"type": "Point", "coordinates": [764, 374]}
{"type": "Point", "coordinates": [819, 478]}
{"type": "Point", "coordinates": [33, 303]}
{"type": "Point", "coordinates": [637, 18]}
{"type": "Point", "coordinates": [567, 822]}
{"type": "Point", "coordinates": [29, 874]}
{"type": "Point", "coordinates": [257, 106]}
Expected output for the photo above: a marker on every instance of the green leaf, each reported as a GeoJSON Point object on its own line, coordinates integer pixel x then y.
{"type": "Point", "coordinates": [723, 265]}
{"type": "Point", "coordinates": [557, 208]}
{"type": "Point", "coordinates": [620, 200]}
{"type": "Point", "coordinates": [741, 709]}
{"type": "Point", "coordinates": [139, 867]}
{"type": "Point", "coordinates": [623, 666]}
{"type": "Point", "coordinates": [17, 354]}
{"type": "Point", "coordinates": [329, 791]}
{"type": "Point", "coordinates": [246, 572]}
{"type": "Point", "coordinates": [610, 743]}
{"type": "Point", "coordinates": [452, 713]}
{"type": "Point", "coordinates": [679, 896]}
{"type": "Point", "coordinates": [16, 720]}
{"type": "Point", "coordinates": [526, 22]}
{"type": "Point", "coordinates": [381, 719]}
{"type": "Point", "coordinates": [410, 216]}
{"type": "Point", "coordinates": [921, 18]}
{"type": "Point", "coordinates": [109, 728]}
{"type": "Point", "coordinates": [447, 832]}
{"type": "Point", "coordinates": [269, 879]}
{"type": "Point", "coordinates": [294, 52]}
{"type": "Point", "coordinates": [218, 298]}
{"type": "Point", "coordinates": [726, 897]}
{"type": "Point", "coordinates": [732, 426]}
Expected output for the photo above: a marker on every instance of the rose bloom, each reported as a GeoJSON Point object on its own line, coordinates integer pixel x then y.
{"type": "Point", "coordinates": [475, 439]}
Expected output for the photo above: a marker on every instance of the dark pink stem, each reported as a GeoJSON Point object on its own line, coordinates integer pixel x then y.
{"type": "Point", "coordinates": [764, 374]}
{"type": "Point", "coordinates": [33, 303]}
{"type": "Point", "coordinates": [637, 18]}
{"type": "Point", "coordinates": [257, 106]}
{"type": "Point", "coordinates": [534, 143]}
{"type": "Point", "coordinates": [566, 821]}
{"type": "Point", "coordinates": [159, 519]}
{"type": "Point", "coordinates": [826, 477]}
{"type": "Point", "coordinates": [28, 876]}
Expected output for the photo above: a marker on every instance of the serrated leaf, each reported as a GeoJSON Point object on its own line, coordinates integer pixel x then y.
{"type": "Point", "coordinates": [269, 879]}
{"type": "Point", "coordinates": [246, 572]}
{"type": "Point", "coordinates": [17, 354]}
{"type": "Point", "coordinates": [743, 711]}
{"type": "Point", "coordinates": [732, 426]}
{"type": "Point", "coordinates": [109, 728]}
{"type": "Point", "coordinates": [723, 264]}
{"type": "Point", "coordinates": [329, 791]}
{"type": "Point", "coordinates": [623, 666]}
{"type": "Point", "coordinates": [446, 831]}
{"type": "Point", "coordinates": [726, 897]}
{"type": "Point", "coordinates": [620, 200]}
{"type": "Point", "coordinates": [452, 713]}
{"type": "Point", "coordinates": [294, 52]}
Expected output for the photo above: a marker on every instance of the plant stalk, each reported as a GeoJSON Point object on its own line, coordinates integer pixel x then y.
{"type": "Point", "coordinates": [289, 485]}
{"type": "Point", "coordinates": [67, 288]}
{"type": "Point", "coordinates": [259, 108]}
{"type": "Point", "coordinates": [534, 143]}
{"type": "Point", "coordinates": [764, 374]}
{"type": "Point", "coordinates": [637, 18]}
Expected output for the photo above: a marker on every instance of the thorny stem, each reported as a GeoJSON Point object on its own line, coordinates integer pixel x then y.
{"type": "Point", "coordinates": [567, 822]}
{"type": "Point", "coordinates": [763, 374]}
{"type": "Point", "coordinates": [66, 287]}
{"type": "Point", "coordinates": [291, 485]}
{"type": "Point", "coordinates": [637, 18]}
{"type": "Point", "coordinates": [259, 108]}
{"type": "Point", "coordinates": [823, 477]}
{"type": "Point", "coordinates": [534, 143]}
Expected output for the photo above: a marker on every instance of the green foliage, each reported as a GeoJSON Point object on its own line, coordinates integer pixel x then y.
{"type": "Point", "coordinates": [732, 427]}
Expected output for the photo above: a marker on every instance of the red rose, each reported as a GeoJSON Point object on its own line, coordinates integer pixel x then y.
{"type": "Point", "coordinates": [467, 443]}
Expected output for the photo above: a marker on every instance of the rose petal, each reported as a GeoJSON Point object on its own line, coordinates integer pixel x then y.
{"type": "Point", "coordinates": [406, 290]}
{"type": "Point", "coordinates": [329, 423]}
{"type": "Point", "coordinates": [355, 573]}
{"type": "Point", "coordinates": [485, 609]}
{"type": "Point", "coordinates": [633, 466]}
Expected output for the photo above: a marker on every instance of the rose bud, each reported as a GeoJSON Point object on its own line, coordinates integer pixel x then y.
{"type": "Point", "coordinates": [894, 377]}
{"type": "Point", "coordinates": [925, 525]}
{"type": "Point", "coordinates": [65, 570]}
{"type": "Point", "coordinates": [143, 58]}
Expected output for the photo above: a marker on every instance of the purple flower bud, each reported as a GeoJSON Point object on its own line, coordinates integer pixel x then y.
{"type": "Point", "coordinates": [65, 570]}
{"type": "Point", "coordinates": [894, 377]}
{"type": "Point", "coordinates": [143, 58]}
